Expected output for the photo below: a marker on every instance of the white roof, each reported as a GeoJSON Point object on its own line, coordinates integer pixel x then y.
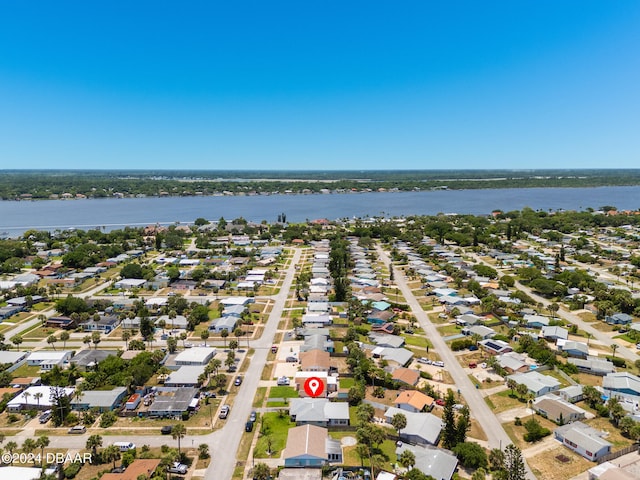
{"type": "Point", "coordinates": [48, 355]}
{"type": "Point", "coordinates": [195, 354]}
{"type": "Point", "coordinates": [28, 397]}
{"type": "Point", "coordinates": [157, 301]}
{"type": "Point", "coordinates": [185, 375]}
{"type": "Point", "coordinates": [235, 300]}
{"type": "Point", "coordinates": [23, 473]}
{"type": "Point", "coordinates": [131, 282]}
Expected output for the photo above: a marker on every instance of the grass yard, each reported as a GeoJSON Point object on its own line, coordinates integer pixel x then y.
{"type": "Point", "coordinates": [501, 402]}
{"type": "Point", "coordinates": [347, 382]}
{"type": "Point", "coordinates": [447, 330]}
{"type": "Point", "coordinates": [517, 432]}
{"type": "Point", "coordinates": [258, 400]}
{"type": "Point", "coordinates": [587, 317]}
{"type": "Point", "coordinates": [283, 392]}
{"type": "Point", "coordinates": [615, 437]}
{"type": "Point", "coordinates": [387, 449]}
{"type": "Point", "coordinates": [272, 430]}
{"type": "Point", "coordinates": [26, 371]}
{"type": "Point", "coordinates": [417, 341]}
{"type": "Point", "coordinates": [546, 465]}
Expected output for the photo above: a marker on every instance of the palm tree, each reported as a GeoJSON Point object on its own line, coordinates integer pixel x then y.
{"type": "Point", "coordinates": [42, 443]}
{"type": "Point", "coordinates": [111, 454]}
{"type": "Point", "coordinates": [224, 334]}
{"type": "Point", "coordinates": [204, 335]}
{"type": "Point", "coordinates": [95, 338]}
{"type": "Point", "coordinates": [38, 396]}
{"type": "Point", "coordinates": [93, 442]}
{"type": "Point", "coordinates": [178, 432]}
{"type": "Point", "coordinates": [64, 336]}
{"type": "Point", "coordinates": [26, 396]}
{"type": "Point", "coordinates": [126, 335]}
{"type": "Point", "coordinates": [11, 446]}
{"type": "Point", "coordinates": [614, 347]}
{"type": "Point", "coordinates": [29, 445]}
{"type": "Point", "coordinates": [51, 340]}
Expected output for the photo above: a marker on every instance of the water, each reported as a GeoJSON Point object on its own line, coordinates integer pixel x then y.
{"type": "Point", "coordinates": [17, 217]}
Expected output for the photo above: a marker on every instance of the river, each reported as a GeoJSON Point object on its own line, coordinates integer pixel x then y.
{"type": "Point", "coordinates": [18, 216]}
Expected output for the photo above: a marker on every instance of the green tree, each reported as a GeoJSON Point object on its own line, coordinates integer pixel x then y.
{"type": "Point", "coordinates": [178, 432]}
{"type": "Point", "coordinates": [261, 471]}
{"type": "Point", "coordinates": [111, 454]}
{"type": "Point", "coordinates": [449, 432]}
{"type": "Point", "coordinates": [51, 340]}
{"type": "Point", "coordinates": [95, 338]}
{"type": "Point", "coordinates": [407, 459]}
{"type": "Point", "coordinates": [471, 455]}
{"type": "Point", "coordinates": [93, 443]}
{"type": "Point", "coordinates": [399, 421]}
{"type": "Point", "coordinates": [42, 442]}
{"type": "Point", "coordinates": [514, 464]}
{"type": "Point", "coordinates": [64, 336]}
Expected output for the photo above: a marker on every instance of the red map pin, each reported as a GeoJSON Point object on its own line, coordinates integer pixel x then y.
{"type": "Point", "coordinates": [314, 386]}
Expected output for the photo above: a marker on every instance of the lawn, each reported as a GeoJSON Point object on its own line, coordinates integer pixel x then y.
{"type": "Point", "coordinates": [283, 392]}
{"type": "Point", "coordinates": [502, 401]}
{"type": "Point", "coordinates": [516, 432]}
{"type": "Point", "coordinates": [387, 449]}
{"type": "Point", "coordinates": [272, 429]}
{"type": "Point", "coordinates": [259, 398]}
{"type": "Point", "coordinates": [615, 437]}
{"type": "Point", "coordinates": [417, 341]}
{"type": "Point", "coordinates": [347, 382]}
{"type": "Point", "coordinates": [546, 465]}
{"type": "Point", "coordinates": [447, 330]}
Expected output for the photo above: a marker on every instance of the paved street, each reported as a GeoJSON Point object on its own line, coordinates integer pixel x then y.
{"type": "Point", "coordinates": [480, 411]}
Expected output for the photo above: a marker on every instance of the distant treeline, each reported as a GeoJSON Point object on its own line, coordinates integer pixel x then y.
{"type": "Point", "coordinates": [44, 184]}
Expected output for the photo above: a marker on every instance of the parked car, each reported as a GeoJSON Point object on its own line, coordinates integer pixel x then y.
{"type": "Point", "coordinates": [424, 360]}
{"type": "Point", "coordinates": [473, 365]}
{"type": "Point", "coordinates": [78, 429]}
{"type": "Point", "coordinates": [483, 365]}
{"type": "Point", "coordinates": [177, 467]}
{"type": "Point", "coordinates": [283, 381]}
{"type": "Point", "coordinates": [238, 381]}
{"type": "Point", "coordinates": [224, 412]}
{"type": "Point", "coordinates": [440, 402]}
{"type": "Point", "coordinates": [166, 430]}
{"type": "Point", "coordinates": [274, 348]}
{"type": "Point", "coordinates": [119, 469]}
{"type": "Point", "coordinates": [253, 416]}
{"type": "Point", "coordinates": [438, 363]}
{"type": "Point", "coordinates": [473, 348]}
{"type": "Point", "coordinates": [248, 427]}
{"type": "Point", "coordinates": [292, 359]}
{"type": "Point", "coordinates": [125, 446]}
{"type": "Point", "coordinates": [45, 416]}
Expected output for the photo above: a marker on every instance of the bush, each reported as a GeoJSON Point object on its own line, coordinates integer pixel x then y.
{"type": "Point", "coordinates": [471, 455]}
{"type": "Point", "coordinates": [618, 362]}
{"type": "Point", "coordinates": [461, 344]}
{"type": "Point", "coordinates": [72, 470]}
{"type": "Point", "coordinates": [535, 431]}
{"type": "Point", "coordinates": [108, 419]}
{"type": "Point", "coordinates": [518, 421]}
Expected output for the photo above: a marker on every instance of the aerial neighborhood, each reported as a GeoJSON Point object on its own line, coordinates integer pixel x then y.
{"type": "Point", "coordinates": [441, 347]}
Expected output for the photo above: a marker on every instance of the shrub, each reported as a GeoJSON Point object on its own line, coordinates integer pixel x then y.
{"type": "Point", "coordinates": [535, 431]}
{"type": "Point", "coordinates": [108, 419]}
{"type": "Point", "coordinates": [72, 470]}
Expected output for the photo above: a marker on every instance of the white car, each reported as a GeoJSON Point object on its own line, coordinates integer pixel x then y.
{"type": "Point", "coordinates": [177, 467]}
{"type": "Point", "coordinates": [483, 365]}
{"type": "Point", "coordinates": [439, 363]}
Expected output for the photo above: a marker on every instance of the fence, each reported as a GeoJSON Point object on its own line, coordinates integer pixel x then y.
{"type": "Point", "coordinates": [619, 453]}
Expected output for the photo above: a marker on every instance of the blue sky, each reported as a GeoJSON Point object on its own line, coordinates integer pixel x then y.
{"type": "Point", "coordinates": [320, 85]}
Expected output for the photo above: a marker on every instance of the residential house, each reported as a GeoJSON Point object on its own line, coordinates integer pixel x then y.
{"type": "Point", "coordinates": [571, 394]}
{"type": "Point", "coordinates": [583, 440]}
{"type": "Point", "coordinates": [47, 359]}
{"type": "Point", "coordinates": [195, 356]}
{"type": "Point", "coordinates": [310, 446]}
{"type": "Point", "coordinates": [495, 347]}
{"type": "Point", "coordinates": [228, 323]}
{"type": "Point", "coordinates": [624, 383]}
{"type": "Point", "coordinates": [309, 320]}
{"type": "Point", "coordinates": [536, 321]}
{"type": "Point", "coordinates": [317, 342]}
{"type": "Point", "coordinates": [435, 462]}
{"type": "Point", "coordinates": [139, 468]}
{"type": "Point", "coordinates": [385, 340]}
{"type": "Point", "coordinates": [130, 283]}
{"type": "Point", "coordinates": [413, 401]}
{"type": "Point", "coordinates": [513, 362]}
{"type": "Point", "coordinates": [619, 319]}
{"type": "Point", "coordinates": [89, 358]}
{"type": "Point", "coordinates": [318, 411]}
{"type": "Point", "coordinates": [421, 429]}
{"type": "Point", "coordinates": [38, 397]}
{"type": "Point", "coordinates": [169, 402]}
{"type": "Point", "coordinates": [484, 332]}
{"type": "Point", "coordinates": [573, 349]}
{"type": "Point", "coordinates": [102, 400]}
{"type": "Point", "coordinates": [185, 376]}
{"type": "Point", "coordinates": [378, 317]}
{"type": "Point", "coordinates": [558, 410]}
{"type": "Point", "coordinates": [329, 383]}
{"type": "Point", "coordinates": [315, 361]}
{"type": "Point", "coordinates": [105, 324]}
{"type": "Point", "coordinates": [536, 383]}
{"type": "Point", "coordinates": [593, 365]}
{"type": "Point", "coordinates": [554, 333]}
{"type": "Point", "coordinates": [394, 356]}
{"type": "Point", "coordinates": [406, 376]}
